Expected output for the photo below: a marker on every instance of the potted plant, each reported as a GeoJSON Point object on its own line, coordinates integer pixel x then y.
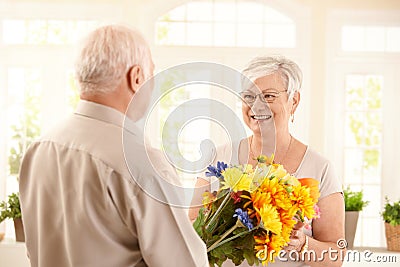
{"type": "Point", "coordinates": [11, 210]}
{"type": "Point", "coordinates": [391, 216]}
{"type": "Point", "coordinates": [354, 203]}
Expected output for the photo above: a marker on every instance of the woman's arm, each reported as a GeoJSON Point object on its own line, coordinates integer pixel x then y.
{"type": "Point", "coordinates": [327, 231]}
{"type": "Point", "coordinates": [201, 186]}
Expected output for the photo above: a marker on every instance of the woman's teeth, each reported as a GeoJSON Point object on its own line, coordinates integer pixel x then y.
{"type": "Point", "coordinates": [260, 117]}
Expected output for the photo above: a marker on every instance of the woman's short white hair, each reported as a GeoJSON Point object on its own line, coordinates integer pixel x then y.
{"type": "Point", "coordinates": [107, 54]}
{"type": "Point", "coordinates": [288, 70]}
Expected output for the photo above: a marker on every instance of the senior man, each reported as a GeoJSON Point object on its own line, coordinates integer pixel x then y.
{"type": "Point", "coordinates": [80, 204]}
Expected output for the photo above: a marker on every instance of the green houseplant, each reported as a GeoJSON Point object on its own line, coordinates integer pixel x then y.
{"type": "Point", "coordinates": [11, 209]}
{"type": "Point", "coordinates": [24, 131]}
{"type": "Point", "coordinates": [391, 216]}
{"type": "Point", "coordinates": [354, 203]}
{"type": "Point", "coordinates": [353, 200]}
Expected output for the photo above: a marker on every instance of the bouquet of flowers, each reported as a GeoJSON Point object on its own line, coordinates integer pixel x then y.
{"type": "Point", "coordinates": [253, 213]}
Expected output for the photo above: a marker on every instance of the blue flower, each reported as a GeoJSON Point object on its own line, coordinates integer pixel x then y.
{"type": "Point", "coordinates": [216, 171]}
{"type": "Point", "coordinates": [244, 218]}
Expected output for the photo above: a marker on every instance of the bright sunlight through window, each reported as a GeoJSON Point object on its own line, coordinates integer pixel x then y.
{"type": "Point", "coordinates": [226, 24]}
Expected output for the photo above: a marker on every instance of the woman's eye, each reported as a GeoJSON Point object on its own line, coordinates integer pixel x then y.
{"type": "Point", "coordinates": [269, 96]}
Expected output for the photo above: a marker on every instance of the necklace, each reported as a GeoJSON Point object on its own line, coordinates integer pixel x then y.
{"type": "Point", "coordinates": [284, 157]}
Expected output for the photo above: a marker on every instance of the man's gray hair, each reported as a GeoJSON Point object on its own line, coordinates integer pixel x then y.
{"type": "Point", "coordinates": [289, 71]}
{"type": "Point", "coordinates": [107, 54]}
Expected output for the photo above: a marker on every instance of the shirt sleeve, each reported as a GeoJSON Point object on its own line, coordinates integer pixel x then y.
{"type": "Point", "coordinates": [163, 232]}
{"type": "Point", "coordinates": [316, 166]}
{"type": "Point", "coordinates": [330, 183]}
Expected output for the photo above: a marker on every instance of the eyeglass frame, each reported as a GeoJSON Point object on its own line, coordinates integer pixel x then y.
{"type": "Point", "coordinates": [262, 98]}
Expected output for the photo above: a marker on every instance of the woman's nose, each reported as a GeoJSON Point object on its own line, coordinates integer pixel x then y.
{"type": "Point", "coordinates": [259, 103]}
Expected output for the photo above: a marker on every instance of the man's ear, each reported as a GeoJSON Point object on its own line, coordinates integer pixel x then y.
{"type": "Point", "coordinates": [135, 77]}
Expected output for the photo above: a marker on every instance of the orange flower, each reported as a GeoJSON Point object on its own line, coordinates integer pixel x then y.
{"type": "Point", "coordinates": [268, 247]}
{"type": "Point", "coordinates": [271, 191]}
{"type": "Point", "coordinates": [313, 185]}
{"type": "Point", "coordinates": [302, 200]}
{"type": "Point", "coordinates": [208, 198]}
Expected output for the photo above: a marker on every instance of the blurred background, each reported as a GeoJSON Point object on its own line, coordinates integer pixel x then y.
{"type": "Point", "coordinates": [349, 51]}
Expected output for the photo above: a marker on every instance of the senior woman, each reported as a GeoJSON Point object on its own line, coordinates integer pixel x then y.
{"type": "Point", "coordinates": [273, 100]}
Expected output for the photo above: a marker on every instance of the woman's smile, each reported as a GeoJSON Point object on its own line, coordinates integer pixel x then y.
{"type": "Point", "coordinates": [261, 117]}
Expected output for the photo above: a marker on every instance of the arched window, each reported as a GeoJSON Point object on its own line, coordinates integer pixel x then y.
{"type": "Point", "coordinates": [230, 32]}
{"type": "Point", "coordinates": [226, 24]}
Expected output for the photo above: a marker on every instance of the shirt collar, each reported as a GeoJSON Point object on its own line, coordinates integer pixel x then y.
{"type": "Point", "coordinates": [106, 114]}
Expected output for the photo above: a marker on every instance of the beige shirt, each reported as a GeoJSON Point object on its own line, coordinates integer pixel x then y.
{"type": "Point", "coordinates": [81, 207]}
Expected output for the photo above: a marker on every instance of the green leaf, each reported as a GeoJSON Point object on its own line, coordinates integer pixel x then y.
{"type": "Point", "coordinates": [391, 212]}
{"type": "Point", "coordinates": [354, 200]}
{"type": "Point", "coordinates": [197, 224]}
{"type": "Point", "coordinates": [10, 209]}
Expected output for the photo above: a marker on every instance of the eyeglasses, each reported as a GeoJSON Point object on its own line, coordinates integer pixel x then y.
{"type": "Point", "coordinates": [266, 96]}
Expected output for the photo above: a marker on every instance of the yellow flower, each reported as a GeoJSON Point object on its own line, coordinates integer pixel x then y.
{"type": "Point", "coordinates": [259, 198]}
{"type": "Point", "coordinates": [290, 180]}
{"type": "Point", "coordinates": [282, 199]}
{"type": "Point", "coordinates": [303, 201]}
{"type": "Point", "coordinates": [272, 191]}
{"type": "Point", "coordinates": [277, 242]}
{"type": "Point", "coordinates": [287, 223]}
{"type": "Point", "coordinates": [236, 179]}
{"type": "Point", "coordinates": [270, 218]}
{"type": "Point", "coordinates": [258, 176]}
{"type": "Point", "coordinates": [247, 168]}
{"type": "Point", "coordinates": [265, 159]}
{"type": "Point", "coordinates": [287, 215]}
{"type": "Point", "coordinates": [268, 247]}
{"type": "Point", "coordinates": [278, 171]}
{"type": "Point", "coordinates": [208, 198]}
{"type": "Point", "coordinates": [313, 185]}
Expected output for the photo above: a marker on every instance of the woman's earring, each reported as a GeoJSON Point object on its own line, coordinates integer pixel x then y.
{"type": "Point", "coordinates": [292, 117]}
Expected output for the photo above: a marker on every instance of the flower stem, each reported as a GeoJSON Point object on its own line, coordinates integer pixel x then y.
{"type": "Point", "coordinates": [213, 218]}
{"type": "Point", "coordinates": [216, 243]}
{"type": "Point", "coordinates": [220, 241]}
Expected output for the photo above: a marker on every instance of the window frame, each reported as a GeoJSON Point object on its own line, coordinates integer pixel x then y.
{"type": "Point", "coordinates": [54, 60]}
{"type": "Point", "coordinates": [341, 63]}
{"type": "Point", "coordinates": [213, 22]}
